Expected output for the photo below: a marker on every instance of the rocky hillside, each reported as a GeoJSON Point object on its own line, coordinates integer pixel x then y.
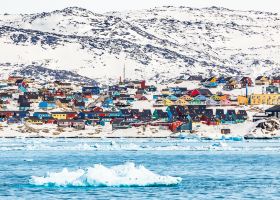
{"type": "Point", "coordinates": [160, 44]}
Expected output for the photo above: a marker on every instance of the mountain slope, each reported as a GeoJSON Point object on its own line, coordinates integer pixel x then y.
{"type": "Point", "coordinates": [161, 43]}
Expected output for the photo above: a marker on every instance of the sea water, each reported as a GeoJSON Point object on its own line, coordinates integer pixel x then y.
{"type": "Point", "coordinates": [139, 169]}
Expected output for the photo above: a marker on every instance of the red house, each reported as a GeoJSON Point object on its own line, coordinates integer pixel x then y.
{"type": "Point", "coordinates": [71, 115]}
{"type": "Point", "coordinates": [212, 121]}
{"type": "Point", "coordinates": [276, 80]}
{"type": "Point", "coordinates": [246, 81]}
{"type": "Point", "coordinates": [193, 93]}
{"type": "Point", "coordinates": [59, 93]}
{"type": "Point", "coordinates": [97, 109]}
{"type": "Point", "coordinates": [6, 114]}
{"type": "Point", "coordinates": [143, 84]}
{"type": "Point", "coordinates": [50, 121]}
{"type": "Point", "coordinates": [174, 125]}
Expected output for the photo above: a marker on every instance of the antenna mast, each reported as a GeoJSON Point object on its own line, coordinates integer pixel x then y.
{"type": "Point", "coordinates": [124, 73]}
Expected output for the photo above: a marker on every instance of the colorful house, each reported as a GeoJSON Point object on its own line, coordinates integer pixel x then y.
{"type": "Point", "coordinates": [267, 99]}
{"type": "Point", "coordinates": [195, 102]}
{"type": "Point", "coordinates": [159, 114]}
{"type": "Point", "coordinates": [166, 91]}
{"type": "Point", "coordinates": [93, 90]}
{"type": "Point", "coordinates": [193, 93]}
{"type": "Point", "coordinates": [46, 105]}
{"type": "Point", "coordinates": [273, 111]}
{"type": "Point", "coordinates": [242, 100]}
{"type": "Point", "coordinates": [77, 124]}
{"type": "Point", "coordinates": [211, 102]}
{"type": "Point", "coordinates": [172, 113]}
{"type": "Point", "coordinates": [181, 102]}
{"type": "Point", "coordinates": [108, 103]}
{"type": "Point", "coordinates": [262, 80]}
{"type": "Point", "coordinates": [186, 97]}
{"type": "Point", "coordinates": [34, 120]}
{"type": "Point", "coordinates": [185, 126]}
{"type": "Point", "coordinates": [272, 89]}
{"type": "Point", "coordinates": [246, 81]}
{"type": "Point", "coordinates": [275, 80]}
{"type": "Point", "coordinates": [172, 97]}
{"type": "Point", "coordinates": [64, 115]}
{"type": "Point", "coordinates": [222, 80]}
{"type": "Point", "coordinates": [210, 84]}
{"type": "Point", "coordinates": [167, 102]}
{"type": "Point", "coordinates": [225, 102]}
{"type": "Point", "coordinates": [201, 97]}
{"type": "Point", "coordinates": [24, 106]}
{"type": "Point", "coordinates": [42, 115]}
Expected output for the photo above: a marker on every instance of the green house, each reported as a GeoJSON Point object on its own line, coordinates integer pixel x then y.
{"type": "Point", "coordinates": [195, 102]}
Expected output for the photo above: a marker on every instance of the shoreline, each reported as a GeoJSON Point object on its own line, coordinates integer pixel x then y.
{"type": "Point", "coordinates": [130, 137]}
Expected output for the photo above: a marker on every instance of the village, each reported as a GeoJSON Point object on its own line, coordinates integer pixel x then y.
{"type": "Point", "coordinates": [206, 107]}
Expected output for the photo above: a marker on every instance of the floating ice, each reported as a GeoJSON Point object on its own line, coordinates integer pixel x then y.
{"type": "Point", "coordinates": [127, 175]}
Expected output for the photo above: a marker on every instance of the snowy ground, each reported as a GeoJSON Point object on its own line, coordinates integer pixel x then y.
{"type": "Point", "coordinates": [200, 130]}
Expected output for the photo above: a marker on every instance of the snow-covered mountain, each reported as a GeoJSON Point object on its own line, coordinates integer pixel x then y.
{"type": "Point", "coordinates": [159, 43]}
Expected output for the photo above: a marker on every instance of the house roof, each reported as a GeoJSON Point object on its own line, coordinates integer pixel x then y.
{"type": "Point", "coordinates": [220, 112]}
{"type": "Point", "coordinates": [195, 78]}
{"type": "Point", "coordinates": [63, 113]}
{"type": "Point", "coordinates": [172, 110]}
{"type": "Point", "coordinates": [161, 113]}
{"type": "Point", "coordinates": [41, 113]}
{"type": "Point", "coordinates": [273, 109]}
{"type": "Point", "coordinates": [24, 104]}
{"type": "Point", "coordinates": [205, 92]}
{"type": "Point", "coordinates": [231, 112]}
{"type": "Point", "coordinates": [259, 78]}
{"type": "Point", "coordinates": [276, 78]}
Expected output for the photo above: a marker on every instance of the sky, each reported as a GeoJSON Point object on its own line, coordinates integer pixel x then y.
{"type": "Point", "coordinates": [101, 6]}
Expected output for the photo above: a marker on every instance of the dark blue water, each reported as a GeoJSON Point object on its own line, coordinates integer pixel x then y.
{"type": "Point", "coordinates": [248, 171]}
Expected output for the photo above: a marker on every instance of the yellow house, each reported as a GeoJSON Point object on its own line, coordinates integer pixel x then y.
{"type": "Point", "coordinates": [167, 102]}
{"type": "Point", "coordinates": [262, 80]}
{"type": "Point", "coordinates": [33, 120]}
{"type": "Point", "coordinates": [216, 97]}
{"type": "Point", "coordinates": [59, 115]}
{"type": "Point", "coordinates": [186, 98]}
{"type": "Point", "coordinates": [165, 91]}
{"type": "Point", "coordinates": [268, 99]}
{"type": "Point", "coordinates": [233, 82]}
{"type": "Point", "coordinates": [213, 80]}
{"type": "Point", "coordinates": [242, 100]}
{"type": "Point", "coordinates": [224, 97]}
{"type": "Point", "coordinates": [181, 102]}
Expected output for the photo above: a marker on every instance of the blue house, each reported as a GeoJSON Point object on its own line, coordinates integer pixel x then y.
{"type": "Point", "coordinates": [186, 126]}
{"type": "Point", "coordinates": [172, 98]}
{"type": "Point", "coordinates": [86, 115]}
{"type": "Point", "coordinates": [116, 94]}
{"type": "Point", "coordinates": [42, 115]}
{"type": "Point", "coordinates": [172, 113]}
{"type": "Point", "coordinates": [24, 106]}
{"type": "Point", "coordinates": [21, 114]}
{"type": "Point", "coordinates": [13, 120]}
{"type": "Point", "coordinates": [201, 97]}
{"type": "Point", "coordinates": [92, 90]}
{"type": "Point", "coordinates": [210, 84]}
{"type": "Point", "coordinates": [222, 80]}
{"type": "Point", "coordinates": [108, 103]}
{"type": "Point", "coordinates": [47, 105]}
{"type": "Point", "coordinates": [211, 102]}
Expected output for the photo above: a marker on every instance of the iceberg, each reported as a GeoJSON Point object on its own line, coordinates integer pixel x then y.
{"type": "Point", "coordinates": [127, 175]}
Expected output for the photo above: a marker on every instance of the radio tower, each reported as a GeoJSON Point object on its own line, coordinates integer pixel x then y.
{"type": "Point", "coordinates": [124, 73]}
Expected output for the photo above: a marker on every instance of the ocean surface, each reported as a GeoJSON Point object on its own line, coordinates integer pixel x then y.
{"type": "Point", "coordinates": [139, 169]}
